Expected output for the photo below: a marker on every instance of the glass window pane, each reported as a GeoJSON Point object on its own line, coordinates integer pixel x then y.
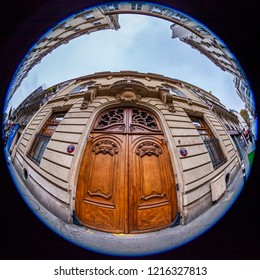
{"type": "Point", "coordinates": [59, 118]}
{"type": "Point", "coordinates": [41, 139]}
{"type": "Point", "coordinates": [196, 123]}
{"type": "Point", "coordinates": [212, 144]}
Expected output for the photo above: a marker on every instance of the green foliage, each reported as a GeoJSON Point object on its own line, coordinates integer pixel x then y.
{"type": "Point", "coordinates": [245, 116]}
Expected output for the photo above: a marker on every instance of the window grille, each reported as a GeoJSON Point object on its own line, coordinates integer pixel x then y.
{"type": "Point", "coordinates": [211, 142]}
{"type": "Point", "coordinates": [215, 152]}
{"type": "Point", "coordinates": [43, 137]}
{"type": "Point", "coordinates": [38, 148]}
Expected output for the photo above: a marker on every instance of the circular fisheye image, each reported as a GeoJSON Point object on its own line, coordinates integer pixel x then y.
{"type": "Point", "coordinates": [129, 128]}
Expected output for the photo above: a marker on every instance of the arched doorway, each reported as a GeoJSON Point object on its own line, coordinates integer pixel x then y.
{"type": "Point", "coordinates": [126, 182]}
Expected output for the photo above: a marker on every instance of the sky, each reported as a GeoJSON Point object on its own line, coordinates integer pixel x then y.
{"type": "Point", "coordinates": [143, 44]}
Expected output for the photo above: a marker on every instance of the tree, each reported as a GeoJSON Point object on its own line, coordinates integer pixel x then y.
{"type": "Point", "coordinates": [245, 116]}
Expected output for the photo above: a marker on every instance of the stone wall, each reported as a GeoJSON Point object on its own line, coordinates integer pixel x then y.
{"type": "Point", "coordinates": [54, 181]}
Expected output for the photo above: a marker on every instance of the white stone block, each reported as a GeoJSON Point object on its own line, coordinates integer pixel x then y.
{"type": "Point", "coordinates": [218, 187]}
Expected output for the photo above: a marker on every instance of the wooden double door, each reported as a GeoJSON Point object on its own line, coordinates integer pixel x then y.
{"type": "Point", "coordinates": [126, 182]}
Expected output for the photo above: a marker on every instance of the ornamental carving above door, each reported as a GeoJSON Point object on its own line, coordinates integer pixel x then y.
{"type": "Point", "coordinates": [126, 182]}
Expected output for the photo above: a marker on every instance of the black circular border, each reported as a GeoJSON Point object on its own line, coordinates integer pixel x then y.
{"type": "Point", "coordinates": [235, 236]}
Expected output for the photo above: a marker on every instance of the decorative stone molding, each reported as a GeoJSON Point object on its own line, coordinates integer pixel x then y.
{"type": "Point", "coordinates": [190, 106]}
{"type": "Point", "coordinates": [190, 102]}
{"type": "Point", "coordinates": [167, 99]}
{"type": "Point", "coordinates": [84, 104]}
{"type": "Point", "coordinates": [88, 98]}
{"type": "Point", "coordinates": [171, 107]}
{"type": "Point", "coordinates": [166, 96]}
{"type": "Point", "coordinates": [66, 98]}
{"type": "Point", "coordinates": [128, 95]}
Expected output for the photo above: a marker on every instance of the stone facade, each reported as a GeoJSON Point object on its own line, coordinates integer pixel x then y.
{"type": "Point", "coordinates": [211, 46]}
{"type": "Point", "coordinates": [86, 22]}
{"type": "Point", "coordinates": [106, 16]}
{"type": "Point", "coordinates": [53, 181]}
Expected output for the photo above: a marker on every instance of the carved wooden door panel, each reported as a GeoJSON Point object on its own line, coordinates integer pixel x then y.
{"type": "Point", "coordinates": [151, 186]}
{"type": "Point", "coordinates": [100, 192]}
{"type": "Point", "coordinates": [152, 194]}
{"type": "Point", "coordinates": [102, 177]}
{"type": "Point", "coordinates": [126, 181]}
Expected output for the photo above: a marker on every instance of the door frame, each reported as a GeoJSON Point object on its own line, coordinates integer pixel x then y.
{"type": "Point", "coordinates": [175, 160]}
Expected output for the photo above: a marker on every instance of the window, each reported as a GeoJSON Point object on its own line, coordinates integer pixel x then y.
{"type": "Point", "coordinates": [174, 91]}
{"type": "Point", "coordinates": [42, 138]}
{"type": "Point", "coordinates": [240, 145]}
{"type": "Point", "coordinates": [227, 126]}
{"type": "Point", "coordinates": [88, 16]}
{"type": "Point", "coordinates": [65, 26]}
{"type": "Point", "coordinates": [211, 142]}
{"type": "Point", "coordinates": [81, 88]}
{"type": "Point", "coordinates": [97, 22]}
{"type": "Point", "coordinates": [136, 6]}
{"type": "Point", "coordinates": [157, 10]}
{"type": "Point", "coordinates": [112, 7]}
